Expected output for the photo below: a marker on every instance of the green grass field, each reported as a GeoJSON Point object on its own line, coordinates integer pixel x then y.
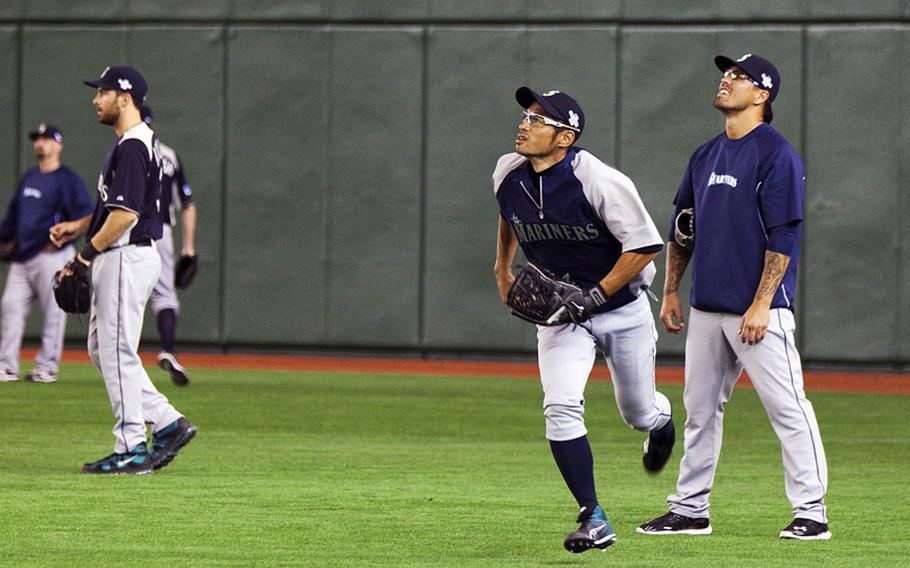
{"type": "Point", "coordinates": [370, 470]}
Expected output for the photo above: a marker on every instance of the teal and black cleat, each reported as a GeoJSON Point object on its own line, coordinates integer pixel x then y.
{"type": "Point", "coordinates": [137, 461]}
{"type": "Point", "coordinates": [168, 441]}
{"type": "Point", "coordinates": [594, 532]}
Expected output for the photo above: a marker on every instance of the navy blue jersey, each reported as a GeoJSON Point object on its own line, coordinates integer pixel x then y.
{"type": "Point", "coordinates": [175, 190]}
{"type": "Point", "coordinates": [576, 218]}
{"type": "Point", "coordinates": [741, 190]}
{"type": "Point", "coordinates": [131, 180]}
{"type": "Point", "coordinates": [41, 201]}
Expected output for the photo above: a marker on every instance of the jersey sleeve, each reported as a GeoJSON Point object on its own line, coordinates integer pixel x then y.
{"type": "Point", "coordinates": [128, 186]}
{"type": "Point", "coordinates": [780, 195]}
{"type": "Point", "coordinates": [615, 200]}
{"type": "Point", "coordinates": [76, 202]}
{"type": "Point", "coordinates": [184, 191]}
{"type": "Point", "coordinates": [504, 165]}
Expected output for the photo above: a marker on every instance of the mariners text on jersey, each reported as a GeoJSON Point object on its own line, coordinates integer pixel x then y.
{"type": "Point", "coordinates": [576, 218]}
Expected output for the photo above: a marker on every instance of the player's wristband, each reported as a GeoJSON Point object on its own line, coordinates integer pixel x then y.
{"type": "Point", "coordinates": [594, 298]}
{"type": "Point", "coordinates": [89, 252]}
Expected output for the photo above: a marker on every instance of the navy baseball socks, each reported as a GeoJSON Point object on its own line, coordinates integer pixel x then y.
{"type": "Point", "coordinates": [169, 440]}
{"type": "Point", "coordinates": [137, 461]}
{"type": "Point", "coordinates": [658, 447]}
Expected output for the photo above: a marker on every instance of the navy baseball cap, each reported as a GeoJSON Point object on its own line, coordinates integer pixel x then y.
{"type": "Point", "coordinates": [47, 130]}
{"type": "Point", "coordinates": [145, 113]}
{"type": "Point", "coordinates": [123, 78]}
{"type": "Point", "coordinates": [557, 104]}
{"type": "Point", "coordinates": [763, 73]}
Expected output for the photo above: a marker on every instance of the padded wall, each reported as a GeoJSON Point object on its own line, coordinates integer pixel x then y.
{"type": "Point", "coordinates": [341, 151]}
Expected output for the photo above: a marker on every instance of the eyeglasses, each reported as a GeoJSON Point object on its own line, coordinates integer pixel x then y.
{"type": "Point", "coordinates": [737, 76]}
{"type": "Point", "coordinates": [534, 119]}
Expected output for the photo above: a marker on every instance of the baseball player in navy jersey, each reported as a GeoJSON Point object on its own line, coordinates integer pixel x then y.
{"type": "Point", "coordinates": [176, 195]}
{"type": "Point", "coordinates": [120, 249]}
{"type": "Point", "coordinates": [47, 194]}
{"type": "Point", "coordinates": [746, 188]}
{"type": "Point", "coordinates": [573, 215]}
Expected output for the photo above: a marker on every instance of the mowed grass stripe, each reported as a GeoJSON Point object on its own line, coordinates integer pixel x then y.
{"type": "Point", "coordinates": [381, 470]}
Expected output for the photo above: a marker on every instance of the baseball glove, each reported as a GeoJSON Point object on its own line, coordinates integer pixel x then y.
{"type": "Point", "coordinates": [684, 229]}
{"type": "Point", "coordinates": [71, 288]}
{"type": "Point", "coordinates": [7, 249]}
{"type": "Point", "coordinates": [186, 271]}
{"type": "Point", "coordinates": [539, 298]}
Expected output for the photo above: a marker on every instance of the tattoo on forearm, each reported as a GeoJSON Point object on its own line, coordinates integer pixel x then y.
{"type": "Point", "coordinates": [775, 266]}
{"type": "Point", "coordinates": [677, 261]}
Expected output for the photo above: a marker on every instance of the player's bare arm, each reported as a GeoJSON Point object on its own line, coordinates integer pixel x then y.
{"type": "Point", "coordinates": [113, 228]}
{"type": "Point", "coordinates": [755, 320]}
{"type": "Point", "coordinates": [188, 222]}
{"type": "Point", "coordinates": [671, 310]}
{"type": "Point", "coordinates": [67, 231]}
{"type": "Point", "coordinates": [626, 268]}
{"type": "Point", "coordinates": [506, 245]}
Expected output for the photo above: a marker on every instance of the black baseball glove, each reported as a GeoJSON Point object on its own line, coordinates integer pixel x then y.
{"type": "Point", "coordinates": [186, 271]}
{"type": "Point", "coordinates": [539, 298]}
{"type": "Point", "coordinates": [7, 249]}
{"type": "Point", "coordinates": [684, 229]}
{"type": "Point", "coordinates": [71, 288]}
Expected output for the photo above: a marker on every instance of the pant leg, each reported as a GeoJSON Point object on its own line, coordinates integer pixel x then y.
{"type": "Point", "coordinates": [774, 366]}
{"type": "Point", "coordinates": [53, 331]}
{"type": "Point", "coordinates": [164, 294]}
{"type": "Point", "coordinates": [629, 339]}
{"type": "Point", "coordinates": [15, 305]}
{"type": "Point", "coordinates": [123, 280]}
{"type": "Point", "coordinates": [565, 355]}
{"type": "Point", "coordinates": [711, 372]}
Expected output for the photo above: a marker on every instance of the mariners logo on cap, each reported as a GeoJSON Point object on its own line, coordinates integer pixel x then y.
{"type": "Point", "coordinates": [125, 84]}
{"type": "Point", "coordinates": [766, 81]}
{"type": "Point", "coordinates": [573, 118]}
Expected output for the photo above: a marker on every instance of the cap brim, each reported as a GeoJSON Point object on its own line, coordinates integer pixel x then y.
{"type": "Point", "coordinates": [96, 83]}
{"type": "Point", "coordinates": [526, 97]}
{"type": "Point", "coordinates": [723, 62]}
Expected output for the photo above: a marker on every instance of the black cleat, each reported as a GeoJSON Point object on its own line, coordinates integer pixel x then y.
{"type": "Point", "coordinates": [595, 532]}
{"type": "Point", "coordinates": [137, 461]}
{"type": "Point", "coordinates": [805, 529]}
{"type": "Point", "coordinates": [168, 362]}
{"type": "Point", "coordinates": [168, 441]}
{"type": "Point", "coordinates": [658, 447]}
{"type": "Point", "coordinates": [671, 523]}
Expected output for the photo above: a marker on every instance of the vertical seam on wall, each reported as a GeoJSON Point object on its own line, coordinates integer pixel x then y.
{"type": "Point", "coordinates": [617, 108]}
{"type": "Point", "coordinates": [20, 63]}
{"type": "Point", "coordinates": [421, 197]}
{"type": "Point", "coordinates": [327, 204]}
{"type": "Point", "coordinates": [804, 147]}
{"type": "Point", "coordinates": [225, 210]}
{"type": "Point", "coordinates": [903, 203]}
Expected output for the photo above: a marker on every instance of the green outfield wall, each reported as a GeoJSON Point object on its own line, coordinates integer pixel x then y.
{"type": "Point", "coordinates": [341, 151]}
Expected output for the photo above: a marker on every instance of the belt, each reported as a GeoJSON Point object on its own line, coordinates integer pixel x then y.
{"type": "Point", "coordinates": [145, 243]}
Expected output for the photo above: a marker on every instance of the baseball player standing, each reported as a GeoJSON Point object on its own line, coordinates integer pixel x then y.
{"type": "Point", "coordinates": [120, 248]}
{"type": "Point", "coordinates": [47, 194]}
{"type": "Point", "coordinates": [574, 215]}
{"type": "Point", "coordinates": [746, 189]}
{"type": "Point", "coordinates": [176, 195]}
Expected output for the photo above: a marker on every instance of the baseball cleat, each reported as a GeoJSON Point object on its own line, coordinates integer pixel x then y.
{"type": "Point", "coordinates": [168, 362]}
{"type": "Point", "coordinates": [135, 462]}
{"type": "Point", "coordinates": [671, 523]}
{"type": "Point", "coordinates": [8, 377]}
{"type": "Point", "coordinates": [806, 529]}
{"type": "Point", "coordinates": [658, 447]}
{"type": "Point", "coordinates": [169, 440]}
{"type": "Point", "coordinates": [41, 376]}
{"type": "Point", "coordinates": [594, 532]}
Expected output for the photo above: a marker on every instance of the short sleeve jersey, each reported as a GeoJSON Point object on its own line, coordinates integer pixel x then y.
{"type": "Point", "coordinates": [41, 201]}
{"type": "Point", "coordinates": [741, 190]}
{"type": "Point", "coordinates": [131, 180]}
{"type": "Point", "coordinates": [176, 192]}
{"type": "Point", "coordinates": [576, 218]}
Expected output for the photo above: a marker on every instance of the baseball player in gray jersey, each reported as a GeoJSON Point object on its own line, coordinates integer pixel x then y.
{"type": "Point", "coordinates": [176, 197]}
{"type": "Point", "coordinates": [120, 251]}
{"type": "Point", "coordinates": [744, 188]}
{"type": "Point", "coordinates": [47, 194]}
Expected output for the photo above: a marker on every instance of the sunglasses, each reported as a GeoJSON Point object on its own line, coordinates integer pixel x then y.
{"type": "Point", "coordinates": [534, 119]}
{"type": "Point", "coordinates": [738, 76]}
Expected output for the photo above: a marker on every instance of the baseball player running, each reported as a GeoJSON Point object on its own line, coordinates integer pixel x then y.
{"type": "Point", "coordinates": [573, 215]}
{"type": "Point", "coordinates": [176, 195]}
{"type": "Point", "coordinates": [746, 189]}
{"type": "Point", "coordinates": [47, 194]}
{"type": "Point", "coordinates": [120, 248]}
